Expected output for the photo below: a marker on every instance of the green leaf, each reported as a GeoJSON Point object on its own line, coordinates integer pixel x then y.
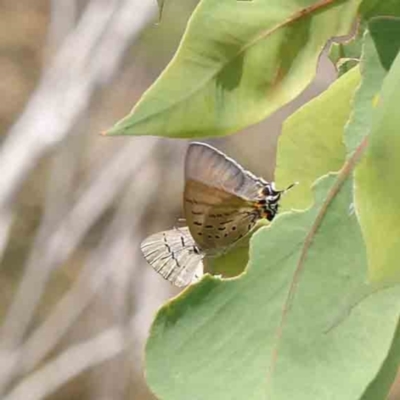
{"type": "Point", "coordinates": [375, 54]}
{"type": "Point", "coordinates": [269, 334]}
{"type": "Point", "coordinates": [237, 63]}
{"type": "Point", "coordinates": [374, 8]}
{"type": "Point", "coordinates": [158, 42]}
{"type": "Point", "coordinates": [346, 55]}
{"type": "Point", "coordinates": [386, 34]}
{"type": "Point", "coordinates": [377, 183]}
{"type": "Point", "coordinates": [311, 143]}
{"type": "Point", "coordinates": [380, 386]}
{"type": "Point", "coordinates": [234, 262]}
{"type": "Point", "coordinates": [365, 98]}
{"type": "Point", "coordinates": [345, 50]}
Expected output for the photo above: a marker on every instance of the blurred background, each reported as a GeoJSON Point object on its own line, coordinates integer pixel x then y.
{"type": "Point", "coordinates": [76, 297]}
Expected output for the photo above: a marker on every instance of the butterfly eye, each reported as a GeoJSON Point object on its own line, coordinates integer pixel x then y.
{"type": "Point", "coordinates": [270, 216]}
{"type": "Point", "coordinates": [273, 198]}
{"type": "Point", "coordinates": [267, 191]}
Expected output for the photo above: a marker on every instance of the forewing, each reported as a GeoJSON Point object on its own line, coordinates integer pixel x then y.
{"type": "Point", "coordinates": [216, 218]}
{"type": "Point", "coordinates": [174, 255]}
{"type": "Point", "coordinates": [209, 166]}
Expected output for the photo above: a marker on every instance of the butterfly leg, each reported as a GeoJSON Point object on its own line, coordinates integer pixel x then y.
{"type": "Point", "coordinates": [198, 273]}
{"type": "Point", "coordinates": [180, 223]}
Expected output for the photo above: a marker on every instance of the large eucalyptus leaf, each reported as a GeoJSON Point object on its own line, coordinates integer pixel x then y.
{"type": "Point", "coordinates": [273, 333]}
{"type": "Point", "coordinates": [374, 8]}
{"type": "Point", "coordinates": [311, 143]}
{"type": "Point", "coordinates": [380, 386]}
{"type": "Point", "coordinates": [377, 182]}
{"type": "Point", "coordinates": [385, 32]}
{"type": "Point", "coordinates": [365, 98]}
{"type": "Point", "coordinates": [237, 63]}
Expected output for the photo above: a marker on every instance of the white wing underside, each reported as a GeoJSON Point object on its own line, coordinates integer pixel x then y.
{"type": "Point", "coordinates": [174, 255]}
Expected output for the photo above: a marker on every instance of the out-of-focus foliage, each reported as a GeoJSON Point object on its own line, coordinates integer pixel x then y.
{"type": "Point", "coordinates": [377, 194]}
{"type": "Point", "coordinates": [311, 144]}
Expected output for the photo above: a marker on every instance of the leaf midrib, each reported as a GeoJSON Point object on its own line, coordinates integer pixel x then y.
{"type": "Point", "coordinates": [344, 173]}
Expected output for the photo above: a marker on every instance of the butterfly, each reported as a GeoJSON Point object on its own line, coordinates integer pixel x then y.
{"type": "Point", "coordinates": [222, 203]}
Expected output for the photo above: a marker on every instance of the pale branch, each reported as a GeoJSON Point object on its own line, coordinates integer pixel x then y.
{"type": "Point", "coordinates": [72, 362]}
{"type": "Point", "coordinates": [89, 57]}
{"type": "Point", "coordinates": [63, 241]}
{"type": "Point", "coordinates": [117, 241]}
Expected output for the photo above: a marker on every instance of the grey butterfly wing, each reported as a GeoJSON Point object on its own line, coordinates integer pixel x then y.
{"type": "Point", "coordinates": [216, 218]}
{"type": "Point", "coordinates": [208, 165]}
{"type": "Point", "coordinates": [174, 255]}
{"type": "Point", "coordinates": [220, 198]}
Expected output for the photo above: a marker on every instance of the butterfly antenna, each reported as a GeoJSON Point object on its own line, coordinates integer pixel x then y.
{"type": "Point", "coordinates": [290, 187]}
